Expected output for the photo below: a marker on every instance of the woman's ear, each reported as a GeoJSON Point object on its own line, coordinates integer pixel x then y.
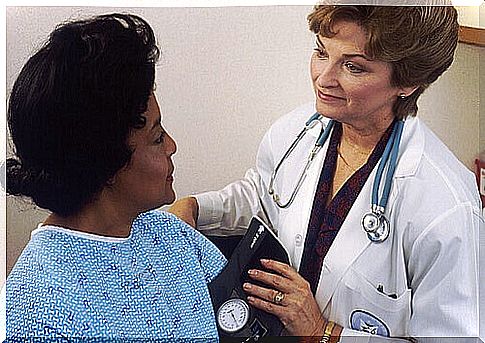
{"type": "Point", "coordinates": [111, 181]}
{"type": "Point", "coordinates": [404, 92]}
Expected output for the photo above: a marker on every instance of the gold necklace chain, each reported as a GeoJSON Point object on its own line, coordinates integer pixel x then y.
{"type": "Point", "coordinates": [347, 164]}
{"type": "Point", "coordinates": [355, 148]}
{"type": "Point", "coordinates": [345, 161]}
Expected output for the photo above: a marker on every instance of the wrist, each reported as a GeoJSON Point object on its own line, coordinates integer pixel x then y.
{"type": "Point", "coordinates": [331, 332]}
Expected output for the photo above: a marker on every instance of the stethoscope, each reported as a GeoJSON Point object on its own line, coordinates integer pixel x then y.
{"type": "Point", "coordinates": [374, 223]}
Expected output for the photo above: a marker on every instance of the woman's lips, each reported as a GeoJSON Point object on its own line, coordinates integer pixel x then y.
{"type": "Point", "coordinates": [329, 98]}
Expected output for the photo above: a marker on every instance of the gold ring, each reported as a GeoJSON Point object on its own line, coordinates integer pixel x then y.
{"type": "Point", "coordinates": [278, 298]}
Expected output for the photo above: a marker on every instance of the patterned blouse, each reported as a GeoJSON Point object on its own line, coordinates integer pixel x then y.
{"type": "Point", "coordinates": [153, 284]}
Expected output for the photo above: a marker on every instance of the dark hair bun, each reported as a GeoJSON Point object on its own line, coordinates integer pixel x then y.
{"type": "Point", "coordinates": [16, 178]}
{"type": "Point", "coordinates": [48, 190]}
{"type": "Point", "coordinates": [36, 184]}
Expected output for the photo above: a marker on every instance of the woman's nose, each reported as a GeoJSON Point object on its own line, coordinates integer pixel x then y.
{"type": "Point", "coordinates": [327, 75]}
{"type": "Point", "coordinates": [171, 145]}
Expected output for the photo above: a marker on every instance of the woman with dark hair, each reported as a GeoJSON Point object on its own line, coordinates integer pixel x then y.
{"type": "Point", "coordinates": [379, 257]}
{"type": "Point", "coordinates": [90, 148]}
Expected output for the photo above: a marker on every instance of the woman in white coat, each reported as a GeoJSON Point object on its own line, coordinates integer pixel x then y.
{"type": "Point", "coordinates": [369, 68]}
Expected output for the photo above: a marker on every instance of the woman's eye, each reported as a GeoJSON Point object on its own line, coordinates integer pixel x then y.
{"type": "Point", "coordinates": [353, 68]}
{"type": "Point", "coordinates": [159, 140]}
{"type": "Point", "coordinates": [320, 53]}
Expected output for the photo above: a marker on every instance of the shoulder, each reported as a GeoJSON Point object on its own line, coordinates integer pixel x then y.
{"type": "Point", "coordinates": [185, 244]}
{"type": "Point", "coordinates": [39, 294]}
{"type": "Point", "coordinates": [46, 257]}
{"type": "Point", "coordinates": [443, 170]}
{"type": "Point", "coordinates": [285, 129]}
{"type": "Point", "coordinates": [174, 230]}
{"type": "Point", "coordinates": [438, 195]}
{"type": "Point", "coordinates": [156, 217]}
{"type": "Point", "coordinates": [163, 223]}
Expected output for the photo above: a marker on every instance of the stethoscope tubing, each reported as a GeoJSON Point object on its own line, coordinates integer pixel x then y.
{"type": "Point", "coordinates": [392, 149]}
{"type": "Point", "coordinates": [392, 163]}
{"type": "Point", "coordinates": [322, 138]}
{"type": "Point", "coordinates": [389, 158]}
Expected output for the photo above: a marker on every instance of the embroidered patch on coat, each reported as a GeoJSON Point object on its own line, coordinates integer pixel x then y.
{"type": "Point", "coordinates": [364, 321]}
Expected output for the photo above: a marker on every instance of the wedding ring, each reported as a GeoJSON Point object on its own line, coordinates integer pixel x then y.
{"type": "Point", "coordinates": [278, 298]}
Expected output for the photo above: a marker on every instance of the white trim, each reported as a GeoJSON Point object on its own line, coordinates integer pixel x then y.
{"type": "Point", "coordinates": [80, 234]}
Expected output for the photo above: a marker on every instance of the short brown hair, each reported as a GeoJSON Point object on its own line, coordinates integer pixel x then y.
{"type": "Point", "coordinates": [418, 41]}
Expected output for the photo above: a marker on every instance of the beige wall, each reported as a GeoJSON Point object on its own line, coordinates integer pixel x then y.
{"type": "Point", "coordinates": [451, 106]}
{"type": "Point", "coordinates": [225, 76]}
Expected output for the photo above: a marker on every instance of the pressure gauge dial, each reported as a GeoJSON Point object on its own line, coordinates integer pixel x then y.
{"type": "Point", "coordinates": [233, 315]}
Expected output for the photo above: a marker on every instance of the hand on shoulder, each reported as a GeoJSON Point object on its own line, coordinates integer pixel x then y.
{"type": "Point", "coordinates": [186, 209]}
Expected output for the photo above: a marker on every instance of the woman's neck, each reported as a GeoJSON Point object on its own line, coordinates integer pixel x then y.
{"type": "Point", "coordinates": [100, 217]}
{"type": "Point", "coordinates": [363, 138]}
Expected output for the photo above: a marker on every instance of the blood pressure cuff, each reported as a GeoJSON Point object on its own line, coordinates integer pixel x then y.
{"type": "Point", "coordinates": [235, 317]}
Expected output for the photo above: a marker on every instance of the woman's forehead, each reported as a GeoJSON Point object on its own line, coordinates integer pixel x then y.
{"type": "Point", "coordinates": [347, 34]}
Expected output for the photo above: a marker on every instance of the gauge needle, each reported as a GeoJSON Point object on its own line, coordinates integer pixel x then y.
{"type": "Point", "coordinates": [234, 317]}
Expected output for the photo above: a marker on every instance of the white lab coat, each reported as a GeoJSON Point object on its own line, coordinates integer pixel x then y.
{"type": "Point", "coordinates": [428, 267]}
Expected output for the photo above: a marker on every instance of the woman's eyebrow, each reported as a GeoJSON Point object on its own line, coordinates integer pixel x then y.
{"type": "Point", "coordinates": [320, 44]}
{"type": "Point", "coordinates": [357, 55]}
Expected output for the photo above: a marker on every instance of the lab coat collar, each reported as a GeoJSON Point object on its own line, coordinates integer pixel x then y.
{"type": "Point", "coordinates": [410, 150]}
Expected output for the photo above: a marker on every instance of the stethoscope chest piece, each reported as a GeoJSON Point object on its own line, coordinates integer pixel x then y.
{"type": "Point", "coordinates": [376, 226]}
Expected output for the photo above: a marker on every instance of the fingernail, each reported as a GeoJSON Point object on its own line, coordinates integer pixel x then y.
{"type": "Point", "coordinates": [250, 299]}
{"type": "Point", "coordinates": [263, 260]}
{"type": "Point", "coordinates": [247, 285]}
{"type": "Point", "coordinates": [252, 272]}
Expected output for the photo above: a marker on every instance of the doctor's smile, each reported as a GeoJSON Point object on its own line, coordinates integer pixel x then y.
{"type": "Point", "coordinates": [329, 98]}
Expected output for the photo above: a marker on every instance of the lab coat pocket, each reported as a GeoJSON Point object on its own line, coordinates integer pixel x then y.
{"type": "Point", "coordinates": [372, 307]}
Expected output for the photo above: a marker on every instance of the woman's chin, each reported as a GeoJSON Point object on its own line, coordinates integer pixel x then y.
{"type": "Point", "coordinates": [165, 199]}
{"type": "Point", "coordinates": [169, 198]}
{"type": "Point", "coordinates": [327, 111]}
